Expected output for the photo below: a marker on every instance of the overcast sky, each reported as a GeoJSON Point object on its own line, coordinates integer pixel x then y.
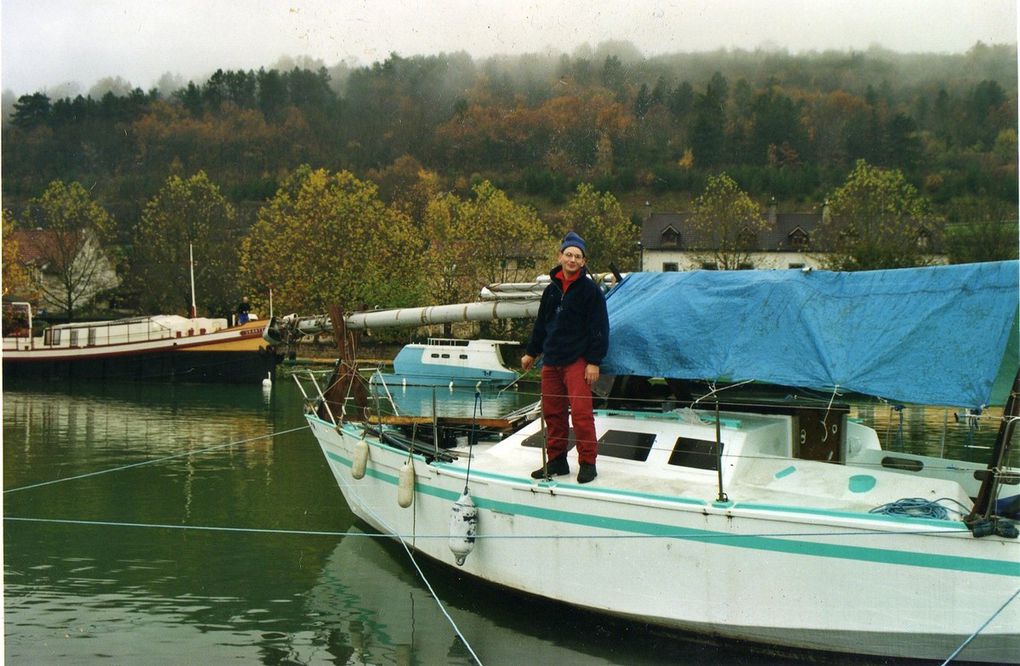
{"type": "Point", "coordinates": [46, 43]}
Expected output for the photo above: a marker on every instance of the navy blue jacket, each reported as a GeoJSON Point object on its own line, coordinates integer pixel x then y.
{"type": "Point", "coordinates": [571, 326]}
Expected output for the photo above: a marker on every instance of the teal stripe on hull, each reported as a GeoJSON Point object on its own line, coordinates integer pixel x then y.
{"type": "Point", "coordinates": [762, 543]}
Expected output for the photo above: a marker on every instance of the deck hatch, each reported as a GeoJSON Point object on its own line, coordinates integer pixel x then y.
{"type": "Point", "coordinates": [625, 444]}
{"type": "Point", "coordinates": [696, 453]}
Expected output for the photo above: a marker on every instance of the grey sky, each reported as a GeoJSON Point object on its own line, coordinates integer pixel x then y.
{"type": "Point", "coordinates": [49, 42]}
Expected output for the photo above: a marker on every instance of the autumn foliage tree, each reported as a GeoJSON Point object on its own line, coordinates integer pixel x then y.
{"type": "Point", "coordinates": [327, 239]}
{"type": "Point", "coordinates": [72, 248]}
{"type": "Point", "coordinates": [15, 277]}
{"type": "Point", "coordinates": [188, 218]}
{"type": "Point", "coordinates": [601, 222]}
{"type": "Point", "coordinates": [728, 223]}
{"type": "Point", "coordinates": [878, 220]}
{"type": "Point", "coordinates": [482, 240]}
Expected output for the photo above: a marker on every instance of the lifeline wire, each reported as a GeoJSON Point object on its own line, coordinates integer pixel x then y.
{"type": "Point", "coordinates": [153, 462]}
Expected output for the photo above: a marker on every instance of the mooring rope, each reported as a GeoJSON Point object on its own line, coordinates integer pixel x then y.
{"type": "Point", "coordinates": [155, 461]}
{"type": "Point", "coordinates": [403, 542]}
{"type": "Point", "coordinates": [981, 628]}
{"type": "Point", "coordinates": [439, 603]}
{"type": "Point", "coordinates": [479, 537]}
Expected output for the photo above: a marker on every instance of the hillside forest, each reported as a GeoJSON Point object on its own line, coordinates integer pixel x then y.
{"type": "Point", "coordinates": [349, 184]}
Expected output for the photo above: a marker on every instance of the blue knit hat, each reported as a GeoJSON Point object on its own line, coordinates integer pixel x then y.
{"type": "Point", "coordinates": [573, 240]}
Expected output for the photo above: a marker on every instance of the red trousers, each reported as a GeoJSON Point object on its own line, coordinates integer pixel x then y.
{"type": "Point", "coordinates": [563, 386]}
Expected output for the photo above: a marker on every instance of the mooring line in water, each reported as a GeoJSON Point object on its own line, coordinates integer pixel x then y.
{"type": "Point", "coordinates": [153, 462]}
{"type": "Point", "coordinates": [400, 536]}
{"type": "Point", "coordinates": [402, 539]}
{"type": "Point", "coordinates": [981, 628]}
{"type": "Point", "coordinates": [201, 528]}
{"type": "Point", "coordinates": [439, 603]}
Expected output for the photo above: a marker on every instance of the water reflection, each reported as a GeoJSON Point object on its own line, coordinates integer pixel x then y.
{"type": "Point", "coordinates": [943, 432]}
{"type": "Point", "coordinates": [373, 608]}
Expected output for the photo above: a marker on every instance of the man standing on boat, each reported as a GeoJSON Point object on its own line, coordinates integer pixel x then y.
{"type": "Point", "coordinates": [571, 334]}
{"type": "Point", "coordinates": [243, 311]}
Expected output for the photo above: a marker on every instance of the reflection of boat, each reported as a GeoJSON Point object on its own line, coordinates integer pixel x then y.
{"type": "Point", "coordinates": [780, 523]}
{"type": "Point", "coordinates": [157, 348]}
{"type": "Point", "coordinates": [368, 591]}
{"type": "Point", "coordinates": [445, 361]}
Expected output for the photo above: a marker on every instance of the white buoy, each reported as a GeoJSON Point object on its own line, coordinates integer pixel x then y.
{"type": "Point", "coordinates": [463, 527]}
{"type": "Point", "coordinates": [268, 381]}
{"type": "Point", "coordinates": [360, 461]}
{"type": "Point", "coordinates": [405, 485]}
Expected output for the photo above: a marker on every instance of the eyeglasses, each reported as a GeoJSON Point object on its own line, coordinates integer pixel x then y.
{"type": "Point", "coordinates": [575, 257]}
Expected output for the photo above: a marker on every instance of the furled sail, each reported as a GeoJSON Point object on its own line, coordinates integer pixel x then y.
{"type": "Point", "coordinates": [934, 335]}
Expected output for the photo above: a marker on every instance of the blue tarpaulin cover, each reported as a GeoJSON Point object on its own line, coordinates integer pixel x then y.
{"type": "Point", "coordinates": [934, 335]}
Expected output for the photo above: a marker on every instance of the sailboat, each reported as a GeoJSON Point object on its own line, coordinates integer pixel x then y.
{"type": "Point", "coordinates": [777, 521]}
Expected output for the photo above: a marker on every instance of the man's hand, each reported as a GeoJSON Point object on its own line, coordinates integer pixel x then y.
{"type": "Point", "coordinates": [527, 361]}
{"type": "Point", "coordinates": [591, 374]}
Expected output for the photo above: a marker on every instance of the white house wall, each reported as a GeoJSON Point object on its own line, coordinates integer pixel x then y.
{"type": "Point", "coordinates": [655, 260]}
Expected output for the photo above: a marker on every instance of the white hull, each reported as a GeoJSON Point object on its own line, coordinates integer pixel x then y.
{"type": "Point", "coordinates": [793, 558]}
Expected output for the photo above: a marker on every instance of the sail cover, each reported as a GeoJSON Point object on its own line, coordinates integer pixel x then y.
{"type": "Point", "coordinates": [935, 335]}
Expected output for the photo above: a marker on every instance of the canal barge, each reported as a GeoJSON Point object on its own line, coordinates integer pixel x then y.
{"type": "Point", "coordinates": [155, 348]}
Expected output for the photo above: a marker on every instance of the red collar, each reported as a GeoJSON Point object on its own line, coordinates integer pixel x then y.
{"type": "Point", "coordinates": [568, 280]}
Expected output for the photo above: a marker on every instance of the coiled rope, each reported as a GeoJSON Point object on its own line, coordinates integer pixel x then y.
{"type": "Point", "coordinates": [918, 507]}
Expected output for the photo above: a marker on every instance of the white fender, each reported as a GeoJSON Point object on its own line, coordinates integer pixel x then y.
{"type": "Point", "coordinates": [360, 461]}
{"type": "Point", "coordinates": [463, 527]}
{"type": "Point", "coordinates": [405, 485]}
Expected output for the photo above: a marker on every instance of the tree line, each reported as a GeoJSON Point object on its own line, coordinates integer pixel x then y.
{"type": "Point", "coordinates": [329, 238]}
{"type": "Point", "coordinates": [786, 126]}
{"type": "Point", "coordinates": [443, 156]}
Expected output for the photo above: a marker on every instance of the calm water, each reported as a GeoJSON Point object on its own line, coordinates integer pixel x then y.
{"type": "Point", "coordinates": [174, 524]}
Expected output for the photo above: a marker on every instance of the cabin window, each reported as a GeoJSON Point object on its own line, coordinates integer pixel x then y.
{"type": "Point", "coordinates": [795, 265]}
{"type": "Point", "coordinates": [709, 266]}
{"type": "Point", "coordinates": [626, 445]}
{"type": "Point", "coordinates": [92, 337]}
{"type": "Point", "coordinates": [696, 453]}
{"type": "Point", "coordinates": [463, 357]}
{"type": "Point", "coordinates": [54, 336]}
{"type": "Point", "coordinates": [445, 356]}
{"type": "Point", "coordinates": [670, 267]}
{"type": "Point", "coordinates": [74, 337]}
{"type": "Point", "coordinates": [435, 355]}
{"type": "Point", "coordinates": [745, 266]}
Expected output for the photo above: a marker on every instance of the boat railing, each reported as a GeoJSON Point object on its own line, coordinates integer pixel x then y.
{"type": "Point", "coordinates": [112, 332]}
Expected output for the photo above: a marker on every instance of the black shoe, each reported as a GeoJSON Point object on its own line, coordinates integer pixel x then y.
{"type": "Point", "coordinates": [555, 467]}
{"type": "Point", "coordinates": [586, 473]}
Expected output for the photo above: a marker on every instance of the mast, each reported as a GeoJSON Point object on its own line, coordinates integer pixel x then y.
{"type": "Point", "coordinates": [984, 506]}
{"type": "Point", "coordinates": [503, 300]}
{"type": "Point", "coordinates": [191, 269]}
{"type": "Point", "coordinates": [291, 327]}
